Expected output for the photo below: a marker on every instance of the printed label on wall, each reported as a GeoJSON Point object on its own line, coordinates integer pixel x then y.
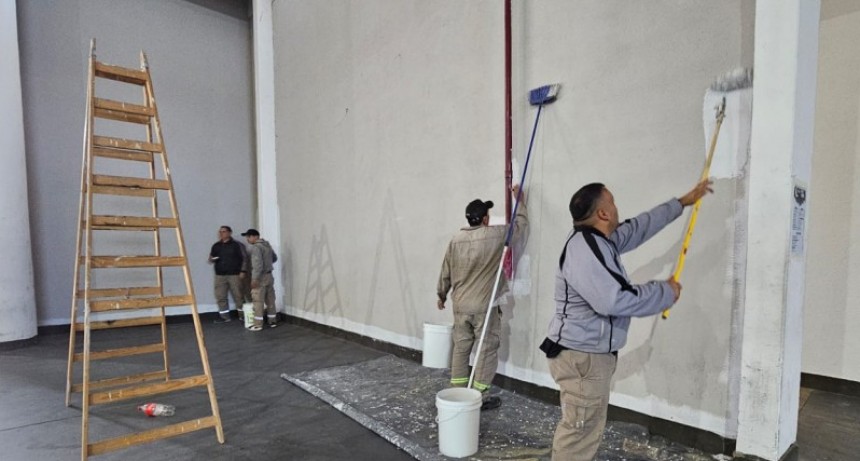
{"type": "Point", "coordinates": [798, 219]}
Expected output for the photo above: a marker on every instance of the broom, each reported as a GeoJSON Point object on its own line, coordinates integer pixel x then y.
{"type": "Point", "coordinates": [537, 97]}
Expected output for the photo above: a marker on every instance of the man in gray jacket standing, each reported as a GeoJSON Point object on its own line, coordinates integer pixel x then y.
{"type": "Point", "coordinates": [468, 271]}
{"type": "Point", "coordinates": [262, 282]}
{"type": "Point", "coordinates": [594, 303]}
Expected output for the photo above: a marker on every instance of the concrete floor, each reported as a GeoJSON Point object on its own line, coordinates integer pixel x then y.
{"type": "Point", "coordinates": [264, 417]}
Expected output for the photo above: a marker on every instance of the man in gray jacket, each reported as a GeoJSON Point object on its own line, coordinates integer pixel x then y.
{"type": "Point", "coordinates": [469, 270]}
{"type": "Point", "coordinates": [262, 282]}
{"type": "Point", "coordinates": [594, 303]}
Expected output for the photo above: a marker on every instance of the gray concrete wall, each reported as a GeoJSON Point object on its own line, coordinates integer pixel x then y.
{"type": "Point", "coordinates": [390, 118]}
{"type": "Point", "coordinates": [832, 318]}
{"type": "Point", "coordinates": [201, 68]}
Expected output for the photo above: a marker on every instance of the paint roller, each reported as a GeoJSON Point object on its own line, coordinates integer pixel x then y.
{"type": "Point", "coordinates": [735, 80]}
{"type": "Point", "coordinates": [539, 97]}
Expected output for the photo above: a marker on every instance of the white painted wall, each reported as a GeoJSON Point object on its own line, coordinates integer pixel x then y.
{"type": "Point", "coordinates": [18, 303]}
{"type": "Point", "coordinates": [832, 318]}
{"type": "Point", "coordinates": [201, 68]}
{"type": "Point", "coordinates": [389, 118]}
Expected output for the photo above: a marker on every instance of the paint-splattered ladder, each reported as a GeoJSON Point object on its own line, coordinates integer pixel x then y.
{"type": "Point", "coordinates": [104, 305]}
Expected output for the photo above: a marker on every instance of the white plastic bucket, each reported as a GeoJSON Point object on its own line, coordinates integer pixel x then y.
{"type": "Point", "coordinates": [437, 345]}
{"type": "Point", "coordinates": [459, 421]}
{"type": "Point", "coordinates": [248, 314]}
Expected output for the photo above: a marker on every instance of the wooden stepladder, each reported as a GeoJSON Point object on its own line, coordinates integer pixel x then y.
{"type": "Point", "coordinates": [119, 212]}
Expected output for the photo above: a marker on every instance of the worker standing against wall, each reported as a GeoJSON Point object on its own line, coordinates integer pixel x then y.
{"type": "Point", "coordinates": [468, 271]}
{"type": "Point", "coordinates": [230, 263]}
{"type": "Point", "coordinates": [262, 281]}
{"type": "Point", "coordinates": [594, 303]}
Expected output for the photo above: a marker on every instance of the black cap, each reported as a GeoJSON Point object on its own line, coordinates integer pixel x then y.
{"type": "Point", "coordinates": [250, 232]}
{"type": "Point", "coordinates": [476, 210]}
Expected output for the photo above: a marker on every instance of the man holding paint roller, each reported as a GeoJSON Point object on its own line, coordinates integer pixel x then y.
{"type": "Point", "coordinates": [594, 303]}
{"type": "Point", "coordinates": [469, 271]}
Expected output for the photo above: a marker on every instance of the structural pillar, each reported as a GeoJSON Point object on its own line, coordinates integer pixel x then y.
{"type": "Point", "coordinates": [786, 65]}
{"type": "Point", "coordinates": [18, 302]}
{"type": "Point", "coordinates": [264, 90]}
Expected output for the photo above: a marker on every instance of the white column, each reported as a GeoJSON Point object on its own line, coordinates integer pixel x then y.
{"type": "Point", "coordinates": [786, 63]}
{"type": "Point", "coordinates": [269, 216]}
{"type": "Point", "coordinates": [17, 303]}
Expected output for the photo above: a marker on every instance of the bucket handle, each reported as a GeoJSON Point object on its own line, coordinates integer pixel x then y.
{"type": "Point", "coordinates": [458, 413]}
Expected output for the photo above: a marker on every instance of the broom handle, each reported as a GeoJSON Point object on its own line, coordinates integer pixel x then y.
{"type": "Point", "coordinates": [682, 256]}
{"type": "Point", "coordinates": [504, 251]}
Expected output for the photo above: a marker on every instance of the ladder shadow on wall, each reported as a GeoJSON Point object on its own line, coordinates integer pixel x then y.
{"type": "Point", "coordinates": [321, 293]}
{"type": "Point", "coordinates": [390, 231]}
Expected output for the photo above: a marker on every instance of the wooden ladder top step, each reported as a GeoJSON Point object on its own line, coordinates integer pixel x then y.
{"type": "Point", "coordinates": [118, 443]}
{"type": "Point", "coordinates": [128, 144]}
{"type": "Point", "coordinates": [121, 380]}
{"type": "Point", "coordinates": [106, 222]}
{"type": "Point", "coordinates": [121, 352]}
{"type": "Point", "coordinates": [120, 74]}
{"type": "Point", "coordinates": [147, 390]}
{"type": "Point", "coordinates": [141, 303]}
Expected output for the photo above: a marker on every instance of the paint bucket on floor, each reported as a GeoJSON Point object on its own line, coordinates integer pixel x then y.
{"type": "Point", "coordinates": [248, 314]}
{"type": "Point", "coordinates": [437, 345]}
{"type": "Point", "coordinates": [459, 421]}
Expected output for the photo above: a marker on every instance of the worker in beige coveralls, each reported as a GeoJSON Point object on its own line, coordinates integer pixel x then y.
{"type": "Point", "coordinates": [469, 270]}
{"type": "Point", "coordinates": [262, 283]}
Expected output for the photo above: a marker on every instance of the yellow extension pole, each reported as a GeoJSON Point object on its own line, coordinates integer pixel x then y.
{"type": "Point", "coordinates": [679, 266]}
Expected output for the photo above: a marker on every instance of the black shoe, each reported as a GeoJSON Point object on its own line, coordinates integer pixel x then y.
{"type": "Point", "coordinates": [223, 320]}
{"type": "Point", "coordinates": [491, 403]}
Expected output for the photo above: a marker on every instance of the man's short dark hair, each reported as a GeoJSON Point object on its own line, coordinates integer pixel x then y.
{"type": "Point", "coordinates": [584, 201]}
{"type": "Point", "coordinates": [227, 228]}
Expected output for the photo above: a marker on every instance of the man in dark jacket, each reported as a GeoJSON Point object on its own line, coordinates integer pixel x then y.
{"type": "Point", "coordinates": [230, 262]}
{"type": "Point", "coordinates": [594, 302]}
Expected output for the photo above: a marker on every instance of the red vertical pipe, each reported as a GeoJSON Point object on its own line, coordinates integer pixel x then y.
{"type": "Point", "coordinates": [509, 136]}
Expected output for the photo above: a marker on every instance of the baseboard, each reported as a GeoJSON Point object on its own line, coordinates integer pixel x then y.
{"type": "Point", "coordinates": [171, 319]}
{"type": "Point", "coordinates": [792, 454]}
{"type": "Point", "coordinates": [686, 435]}
{"type": "Point", "coordinates": [828, 384]}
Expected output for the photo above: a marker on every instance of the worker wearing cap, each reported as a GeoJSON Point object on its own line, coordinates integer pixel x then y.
{"type": "Point", "coordinates": [262, 282]}
{"type": "Point", "coordinates": [468, 271]}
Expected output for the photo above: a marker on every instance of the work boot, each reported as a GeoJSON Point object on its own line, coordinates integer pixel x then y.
{"type": "Point", "coordinates": [223, 320]}
{"type": "Point", "coordinates": [491, 402]}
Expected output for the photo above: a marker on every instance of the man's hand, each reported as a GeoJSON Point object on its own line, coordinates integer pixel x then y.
{"type": "Point", "coordinates": [440, 304]}
{"type": "Point", "coordinates": [241, 275]}
{"type": "Point", "coordinates": [515, 191]}
{"type": "Point", "coordinates": [701, 189]}
{"type": "Point", "coordinates": [255, 284]}
{"type": "Point", "coordinates": [676, 287]}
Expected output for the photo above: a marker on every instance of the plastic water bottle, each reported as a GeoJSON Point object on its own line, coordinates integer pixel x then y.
{"type": "Point", "coordinates": [156, 409]}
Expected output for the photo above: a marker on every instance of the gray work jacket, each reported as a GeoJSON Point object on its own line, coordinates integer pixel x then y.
{"type": "Point", "coordinates": [471, 264]}
{"type": "Point", "coordinates": [262, 259]}
{"type": "Point", "coordinates": [593, 305]}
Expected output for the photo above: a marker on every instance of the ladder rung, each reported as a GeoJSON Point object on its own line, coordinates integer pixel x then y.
{"type": "Point", "coordinates": [146, 390]}
{"type": "Point", "coordinates": [118, 443]}
{"type": "Point", "coordinates": [124, 181]}
{"type": "Point", "coordinates": [141, 303]}
{"type": "Point", "coordinates": [122, 74]}
{"type": "Point", "coordinates": [121, 352]}
{"type": "Point", "coordinates": [129, 191]}
{"type": "Point", "coordinates": [121, 323]}
{"type": "Point", "coordinates": [120, 380]}
{"type": "Point", "coordinates": [119, 106]}
{"type": "Point", "coordinates": [121, 116]}
{"type": "Point", "coordinates": [122, 154]}
{"type": "Point", "coordinates": [121, 222]}
{"type": "Point", "coordinates": [95, 293]}
{"type": "Point", "coordinates": [108, 262]}
{"type": "Point", "coordinates": [119, 143]}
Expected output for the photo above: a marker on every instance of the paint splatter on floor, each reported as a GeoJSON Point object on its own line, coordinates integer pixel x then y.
{"type": "Point", "coordinates": [396, 399]}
